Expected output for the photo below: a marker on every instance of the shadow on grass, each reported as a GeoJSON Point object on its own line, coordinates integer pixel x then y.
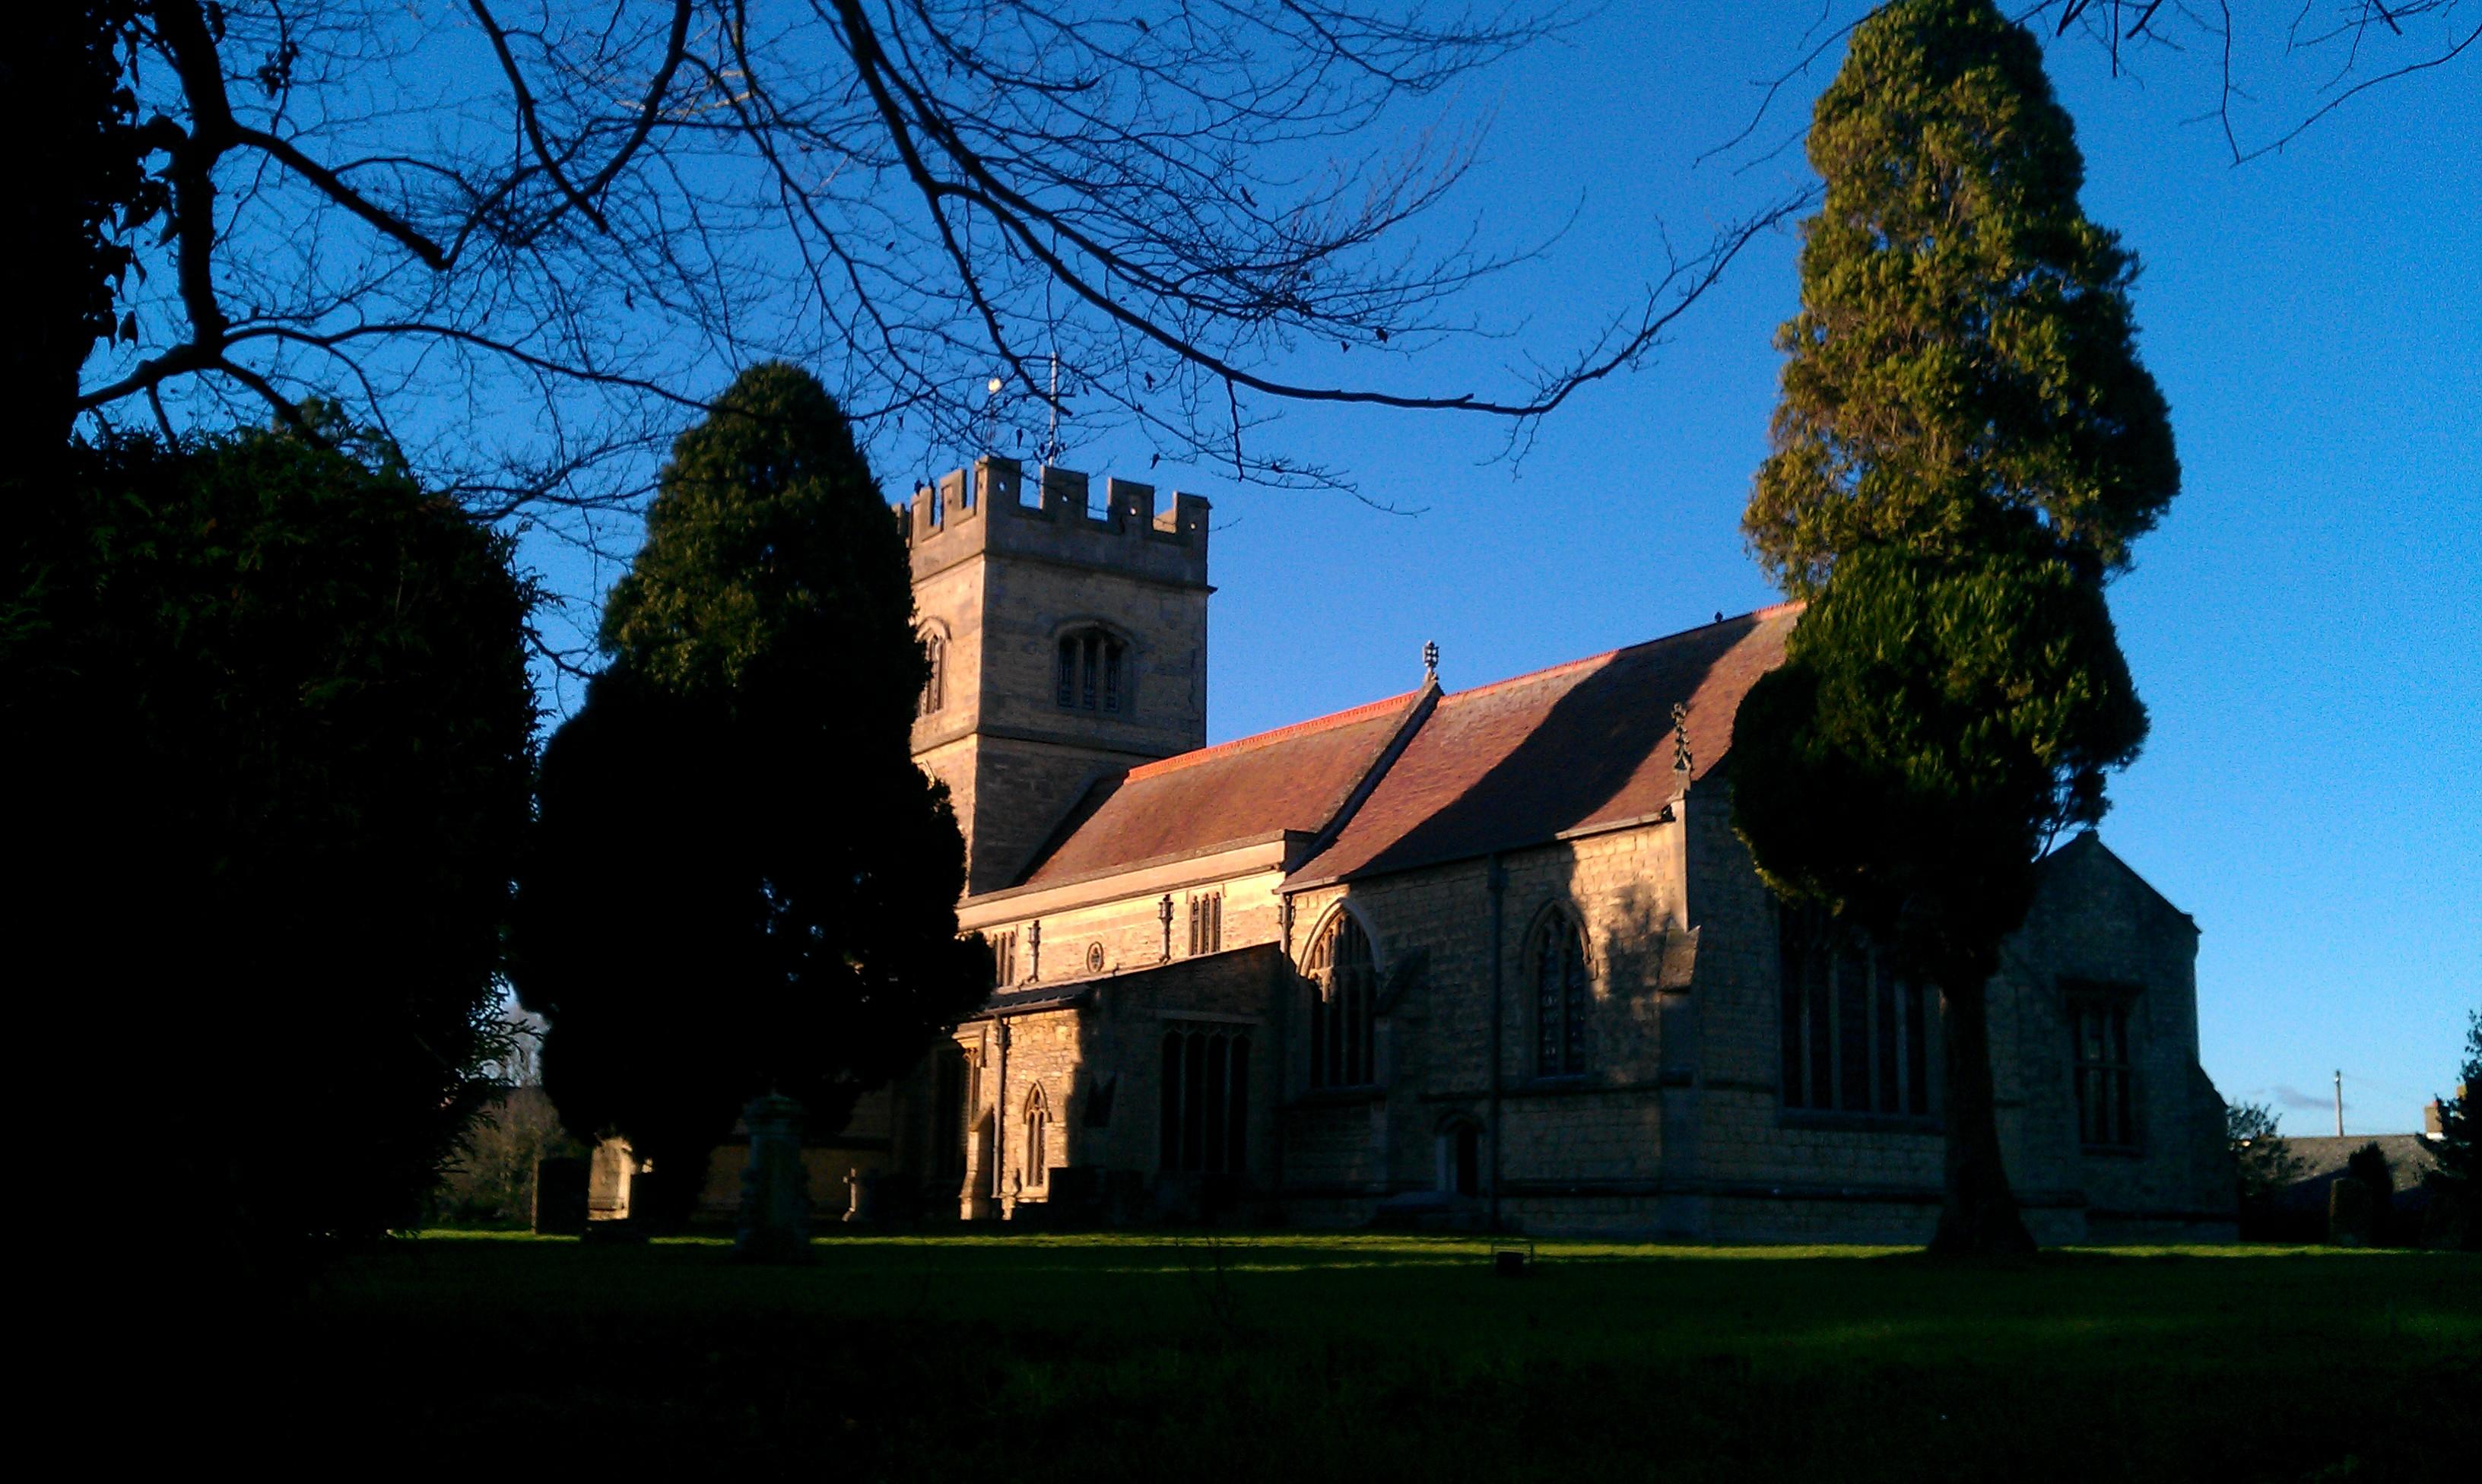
{"type": "Point", "coordinates": [1293, 1357]}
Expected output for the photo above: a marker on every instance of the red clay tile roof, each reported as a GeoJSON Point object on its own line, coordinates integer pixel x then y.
{"type": "Point", "coordinates": [1293, 778]}
{"type": "Point", "coordinates": [1526, 759]}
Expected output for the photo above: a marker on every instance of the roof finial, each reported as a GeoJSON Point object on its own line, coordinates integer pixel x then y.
{"type": "Point", "coordinates": [1431, 661]}
{"type": "Point", "coordinates": [1681, 763]}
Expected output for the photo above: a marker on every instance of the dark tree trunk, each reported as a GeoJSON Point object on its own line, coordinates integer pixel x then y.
{"type": "Point", "coordinates": [1979, 1218]}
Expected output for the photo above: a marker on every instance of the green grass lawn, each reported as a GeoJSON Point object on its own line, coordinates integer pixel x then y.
{"type": "Point", "coordinates": [1364, 1357]}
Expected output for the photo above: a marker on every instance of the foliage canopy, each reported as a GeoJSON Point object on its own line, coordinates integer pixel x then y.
{"type": "Point", "coordinates": [280, 700]}
{"type": "Point", "coordinates": [1963, 362]}
{"type": "Point", "coordinates": [1933, 725]}
{"type": "Point", "coordinates": [742, 883]}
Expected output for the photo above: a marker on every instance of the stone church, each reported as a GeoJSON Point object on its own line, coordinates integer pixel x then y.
{"type": "Point", "coordinates": [1452, 959]}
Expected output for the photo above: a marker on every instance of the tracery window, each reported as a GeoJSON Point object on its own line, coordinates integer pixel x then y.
{"type": "Point", "coordinates": [935, 651]}
{"type": "Point", "coordinates": [1857, 1035]}
{"type": "Point", "coordinates": [1343, 997]}
{"type": "Point", "coordinates": [1206, 1120]}
{"type": "Point", "coordinates": [2106, 1076]}
{"type": "Point", "coordinates": [1004, 960]}
{"type": "Point", "coordinates": [1093, 673]}
{"type": "Point", "coordinates": [1557, 961]}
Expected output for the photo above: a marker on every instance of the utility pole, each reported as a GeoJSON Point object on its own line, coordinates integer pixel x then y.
{"type": "Point", "coordinates": [2339, 1102]}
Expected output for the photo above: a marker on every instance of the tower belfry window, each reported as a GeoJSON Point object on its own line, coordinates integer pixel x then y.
{"type": "Point", "coordinates": [1094, 672]}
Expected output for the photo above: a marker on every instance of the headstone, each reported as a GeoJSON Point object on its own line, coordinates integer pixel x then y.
{"type": "Point", "coordinates": [775, 1186]}
{"type": "Point", "coordinates": [613, 1169]}
{"type": "Point", "coordinates": [560, 1197]}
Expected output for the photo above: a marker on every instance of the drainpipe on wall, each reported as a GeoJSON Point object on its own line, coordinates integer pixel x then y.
{"type": "Point", "coordinates": [1496, 880]}
{"type": "Point", "coordinates": [999, 1125]}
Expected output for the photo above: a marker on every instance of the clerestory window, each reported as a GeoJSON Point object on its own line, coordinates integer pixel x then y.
{"type": "Point", "coordinates": [1093, 673]}
{"type": "Point", "coordinates": [1206, 923]}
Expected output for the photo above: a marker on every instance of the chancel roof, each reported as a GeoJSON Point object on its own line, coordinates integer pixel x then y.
{"type": "Point", "coordinates": [1570, 748]}
{"type": "Point", "coordinates": [1521, 762]}
{"type": "Point", "coordinates": [1295, 778]}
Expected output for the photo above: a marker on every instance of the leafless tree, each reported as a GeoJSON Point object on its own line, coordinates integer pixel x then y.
{"type": "Point", "coordinates": [524, 236]}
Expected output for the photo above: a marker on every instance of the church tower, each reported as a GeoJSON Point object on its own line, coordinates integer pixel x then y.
{"type": "Point", "coordinates": [1065, 644]}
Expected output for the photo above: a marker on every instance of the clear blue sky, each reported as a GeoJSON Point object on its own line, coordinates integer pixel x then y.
{"type": "Point", "coordinates": [2303, 626]}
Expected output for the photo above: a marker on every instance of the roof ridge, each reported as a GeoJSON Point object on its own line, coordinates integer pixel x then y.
{"type": "Point", "coordinates": [1566, 665]}
{"type": "Point", "coordinates": [1257, 739]}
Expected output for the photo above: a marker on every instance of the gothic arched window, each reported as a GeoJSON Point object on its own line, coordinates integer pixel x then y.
{"type": "Point", "coordinates": [935, 650]}
{"type": "Point", "coordinates": [1558, 964]}
{"type": "Point", "coordinates": [1038, 1140]}
{"type": "Point", "coordinates": [1093, 672]}
{"type": "Point", "coordinates": [1343, 997]}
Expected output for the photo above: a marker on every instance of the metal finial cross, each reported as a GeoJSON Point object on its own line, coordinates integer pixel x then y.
{"type": "Point", "coordinates": [1431, 660]}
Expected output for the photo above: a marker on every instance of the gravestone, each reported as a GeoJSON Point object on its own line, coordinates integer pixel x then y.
{"type": "Point", "coordinates": [612, 1169]}
{"type": "Point", "coordinates": [775, 1186]}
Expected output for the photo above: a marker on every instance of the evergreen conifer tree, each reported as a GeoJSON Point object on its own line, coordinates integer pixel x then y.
{"type": "Point", "coordinates": [2456, 1184]}
{"type": "Point", "coordinates": [1966, 447]}
{"type": "Point", "coordinates": [742, 883]}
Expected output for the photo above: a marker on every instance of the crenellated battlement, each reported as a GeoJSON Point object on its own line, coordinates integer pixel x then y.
{"type": "Point", "coordinates": [984, 508]}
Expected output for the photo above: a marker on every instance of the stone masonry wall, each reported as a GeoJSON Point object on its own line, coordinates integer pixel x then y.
{"type": "Point", "coordinates": [1431, 932]}
{"type": "Point", "coordinates": [1002, 582]}
{"type": "Point", "coordinates": [1678, 1126]}
{"type": "Point", "coordinates": [1103, 1060]}
{"type": "Point", "coordinates": [2098, 922]}
{"type": "Point", "coordinates": [1129, 932]}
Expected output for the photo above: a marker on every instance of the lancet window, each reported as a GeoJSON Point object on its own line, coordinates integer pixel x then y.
{"type": "Point", "coordinates": [1557, 960]}
{"type": "Point", "coordinates": [934, 683]}
{"type": "Point", "coordinates": [1206, 923]}
{"type": "Point", "coordinates": [1038, 1140]}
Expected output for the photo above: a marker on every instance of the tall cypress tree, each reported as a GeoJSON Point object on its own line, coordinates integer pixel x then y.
{"type": "Point", "coordinates": [742, 883]}
{"type": "Point", "coordinates": [1962, 365]}
{"type": "Point", "coordinates": [1966, 447]}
